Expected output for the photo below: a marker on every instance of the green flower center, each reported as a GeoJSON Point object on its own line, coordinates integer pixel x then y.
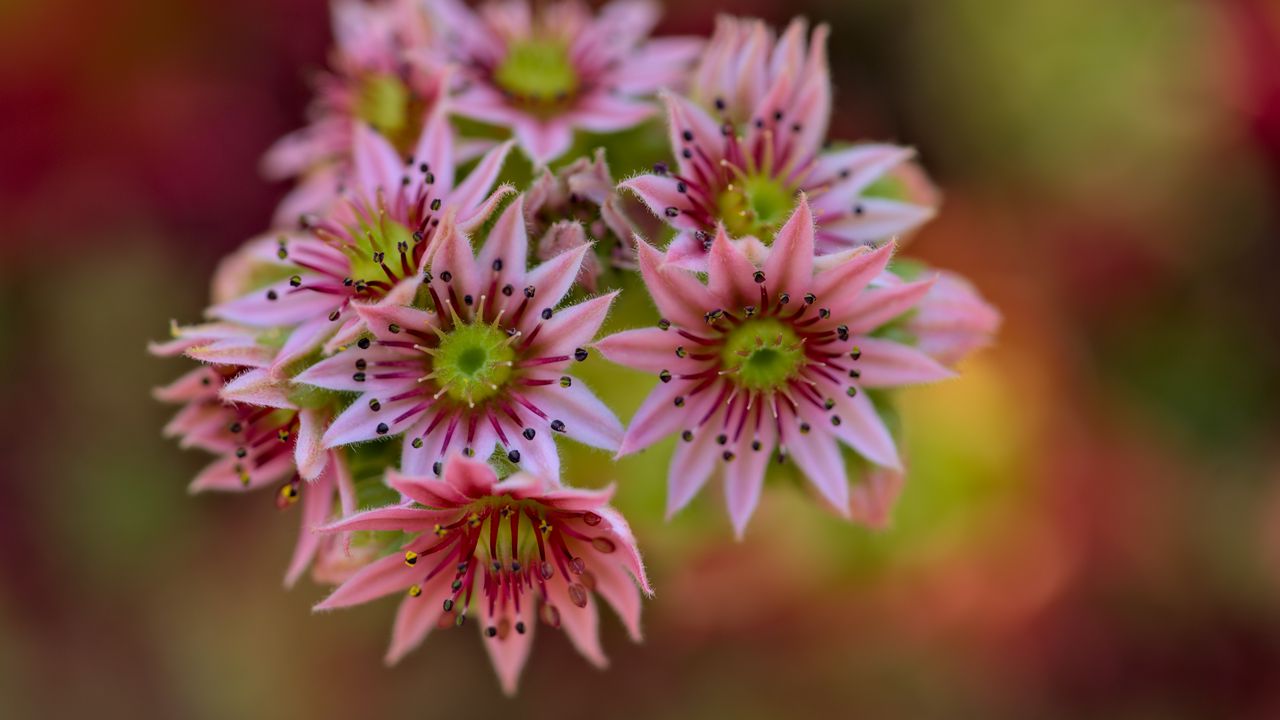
{"type": "Point", "coordinates": [538, 70]}
{"type": "Point", "coordinates": [473, 362]}
{"type": "Point", "coordinates": [763, 354]}
{"type": "Point", "coordinates": [389, 106]}
{"type": "Point", "coordinates": [377, 244]}
{"type": "Point", "coordinates": [757, 206]}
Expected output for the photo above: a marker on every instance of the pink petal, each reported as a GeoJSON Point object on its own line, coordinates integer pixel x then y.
{"type": "Point", "coordinates": [470, 195]}
{"type": "Point", "coordinates": [551, 281]}
{"type": "Point", "coordinates": [509, 651]}
{"type": "Point", "coordinates": [508, 243]}
{"type": "Point", "coordinates": [199, 382]}
{"type": "Point", "coordinates": [744, 476]}
{"type": "Point", "coordinates": [360, 422]}
{"type": "Point", "coordinates": [862, 429]}
{"type": "Point", "coordinates": [818, 456]}
{"type": "Point", "coordinates": [649, 349]}
{"type": "Point", "coordinates": [677, 293]}
{"type": "Point", "coordinates": [572, 327]}
{"type": "Point", "coordinates": [384, 576]}
{"type": "Point", "coordinates": [877, 306]}
{"type": "Point", "coordinates": [454, 258]}
{"type": "Point", "coordinates": [471, 478]}
{"type": "Point", "coordinates": [257, 387]}
{"type": "Point", "coordinates": [617, 587]}
{"type": "Point", "coordinates": [427, 491]}
{"type": "Point", "coordinates": [416, 616]}
{"type": "Point", "coordinates": [838, 288]}
{"type": "Point", "coordinates": [376, 163]}
{"type": "Point", "coordinates": [581, 624]}
{"type": "Point", "coordinates": [691, 466]}
{"type": "Point", "coordinates": [660, 195]}
{"type": "Point", "coordinates": [586, 418]}
{"type": "Point", "coordinates": [731, 276]}
{"type": "Point", "coordinates": [789, 267]}
{"type": "Point", "coordinates": [605, 113]}
{"type": "Point", "coordinates": [544, 141]}
{"type": "Point", "coordinates": [880, 219]}
{"type": "Point", "coordinates": [309, 454]}
{"type": "Point", "coordinates": [656, 418]}
{"type": "Point", "coordinates": [435, 148]}
{"type": "Point", "coordinates": [317, 500]}
{"type": "Point", "coordinates": [393, 518]}
{"type": "Point", "coordinates": [884, 363]}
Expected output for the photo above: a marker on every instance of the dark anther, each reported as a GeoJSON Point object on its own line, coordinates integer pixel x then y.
{"type": "Point", "coordinates": [665, 376]}
{"type": "Point", "coordinates": [679, 401]}
{"type": "Point", "coordinates": [271, 295]}
{"type": "Point", "coordinates": [507, 290]}
{"type": "Point", "coordinates": [759, 276]}
{"type": "Point", "coordinates": [671, 212]}
{"type": "Point", "coordinates": [394, 329]}
{"type": "Point", "coordinates": [497, 265]}
{"type": "Point", "coordinates": [363, 343]}
{"type": "Point", "coordinates": [687, 436]}
{"type": "Point", "coordinates": [580, 354]}
{"type": "Point", "coordinates": [546, 313]}
{"type": "Point", "coordinates": [514, 456]}
{"type": "Point", "coordinates": [358, 377]}
{"type": "Point", "coordinates": [446, 276]}
{"type": "Point", "coordinates": [382, 428]}
{"type": "Point", "coordinates": [664, 324]}
{"type": "Point", "coordinates": [529, 292]}
{"type": "Point", "coordinates": [529, 433]}
{"type": "Point", "coordinates": [557, 425]}
{"type": "Point", "coordinates": [374, 405]}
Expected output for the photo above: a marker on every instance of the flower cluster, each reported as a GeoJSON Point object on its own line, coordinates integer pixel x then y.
{"type": "Point", "coordinates": [396, 354]}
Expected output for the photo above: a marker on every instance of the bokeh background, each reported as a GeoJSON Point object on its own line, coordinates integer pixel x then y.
{"type": "Point", "coordinates": [1091, 527]}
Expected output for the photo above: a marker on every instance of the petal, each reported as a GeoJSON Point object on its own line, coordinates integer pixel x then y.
{"type": "Point", "coordinates": [884, 363]}
{"type": "Point", "coordinates": [416, 617]}
{"type": "Point", "coordinates": [862, 429]}
{"type": "Point", "coordinates": [471, 478]}
{"type": "Point", "coordinates": [470, 195]}
{"type": "Point", "coordinates": [257, 387]}
{"type": "Point", "coordinates": [453, 259]}
{"type": "Point", "coordinates": [426, 490]}
{"type": "Point", "coordinates": [661, 195]}
{"type": "Point", "coordinates": [394, 518]}
{"type": "Point", "coordinates": [360, 422]}
{"type": "Point", "coordinates": [680, 297]}
{"type": "Point", "coordinates": [586, 419]}
{"type": "Point", "coordinates": [878, 306]}
{"type": "Point", "coordinates": [435, 149]}
{"type": "Point", "coordinates": [617, 587]}
{"type": "Point", "coordinates": [507, 245]}
{"type": "Point", "coordinates": [551, 281]}
{"type": "Point", "coordinates": [317, 500]}
{"type": "Point", "coordinates": [572, 327]}
{"type": "Point", "coordinates": [381, 577]}
{"type": "Point", "coordinates": [744, 476]}
{"type": "Point", "coordinates": [581, 624]}
{"type": "Point", "coordinates": [789, 267]}
{"type": "Point", "coordinates": [655, 419]}
{"type": "Point", "coordinates": [543, 141]}
{"type": "Point", "coordinates": [691, 466]}
{"type": "Point", "coordinates": [649, 349]}
{"type": "Point", "coordinates": [731, 276]}
{"type": "Point", "coordinates": [838, 287]}
{"type": "Point", "coordinates": [309, 454]}
{"type": "Point", "coordinates": [508, 649]}
{"type": "Point", "coordinates": [818, 455]}
{"type": "Point", "coordinates": [375, 162]}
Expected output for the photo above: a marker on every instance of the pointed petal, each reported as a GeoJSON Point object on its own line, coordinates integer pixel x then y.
{"type": "Point", "coordinates": [663, 198]}
{"type": "Point", "coordinates": [509, 649]}
{"type": "Point", "coordinates": [744, 476]}
{"type": "Point", "coordinates": [585, 417]}
{"type": "Point", "coordinates": [884, 363]}
{"type": "Point", "coordinates": [877, 306]}
{"type": "Point", "coordinates": [581, 624]}
{"type": "Point", "coordinates": [680, 297]}
{"type": "Point", "coordinates": [382, 577]}
{"type": "Point", "coordinates": [416, 617]}
{"type": "Point", "coordinates": [818, 456]}
{"type": "Point", "coordinates": [309, 454]}
{"type": "Point", "coordinates": [507, 246]}
{"type": "Point", "coordinates": [572, 327]}
{"type": "Point", "coordinates": [789, 267]}
{"type": "Point", "coordinates": [470, 195]}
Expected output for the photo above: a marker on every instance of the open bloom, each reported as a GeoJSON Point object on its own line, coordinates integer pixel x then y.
{"type": "Point", "coordinates": [486, 366]}
{"type": "Point", "coordinates": [768, 357]}
{"type": "Point", "coordinates": [262, 440]}
{"type": "Point", "coordinates": [369, 249]}
{"type": "Point", "coordinates": [375, 81]}
{"type": "Point", "coordinates": [515, 550]}
{"type": "Point", "coordinates": [546, 72]}
{"type": "Point", "coordinates": [750, 139]}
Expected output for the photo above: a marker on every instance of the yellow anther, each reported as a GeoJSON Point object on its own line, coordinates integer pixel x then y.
{"type": "Point", "coordinates": [410, 558]}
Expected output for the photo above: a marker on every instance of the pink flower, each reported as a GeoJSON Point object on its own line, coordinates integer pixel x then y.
{"type": "Point", "coordinates": [371, 248]}
{"type": "Point", "coordinates": [374, 81]}
{"type": "Point", "coordinates": [263, 440]}
{"type": "Point", "coordinates": [771, 356]}
{"type": "Point", "coordinates": [546, 72]}
{"type": "Point", "coordinates": [524, 547]}
{"type": "Point", "coordinates": [486, 366]}
{"type": "Point", "coordinates": [749, 140]}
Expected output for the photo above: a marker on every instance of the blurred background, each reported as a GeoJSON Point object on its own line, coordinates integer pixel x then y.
{"type": "Point", "coordinates": [1091, 526]}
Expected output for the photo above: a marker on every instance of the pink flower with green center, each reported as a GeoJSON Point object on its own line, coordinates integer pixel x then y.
{"type": "Point", "coordinates": [512, 551]}
{"type": "Point", "coordinates": [770, 360]}
{"type": "Point", "coordinates": [545, 72]}
{"type": "Point", "coordinates": [370, 249]}
{"type": "Point", "coordinates": [377, 81]}
{"type": "Point", "coordinates": [486, 366]}
{"type": "Point", "coordinates": [262, 439]}
{"type": "Point", "coordinates": [749, 140]}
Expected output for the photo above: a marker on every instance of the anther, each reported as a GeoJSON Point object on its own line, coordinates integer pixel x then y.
{"type": "Point", "coordinates": [758, 276]}
{"type": "Point", "coordinates": [382, 428]}
{"type": "Point", "coordinates": [546, 313]}
{"type": "Point", "coordinates": [565, 381]}
{"type": "Point", "coordinates": [529, 433]}
{"type": "Point", "coordinates": [580, 354]}
{"type": "Point", "coordinates": [557, 425]}
{"type": "Point", "coordinates": [446, 276]}
{"type": "Point", "coordinates": [435, 468]}
{"type": "Point", "coordinates": [687, 436]}
{"type": "Point", "coordinates": [664, 324]}
{"type": "Point", "coordinates": [835, 419]}
{"type": "Point", "coordinates": [410, 558]}
{"type": "Point", "coordinates": [514, 456]}
{"type": "Point", "coordinates": [670, 212]}
{"type": "Point", "coordinates": [665, 376]}
{"type": "Point", "coordinates": [679, 401]}
{"type": "Point", "coordinates": [295, 281]}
